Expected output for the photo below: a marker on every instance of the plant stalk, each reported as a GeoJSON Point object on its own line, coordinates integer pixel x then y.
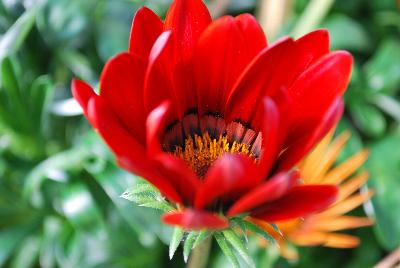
{"type": "Point", "coordinates": [200, 255]}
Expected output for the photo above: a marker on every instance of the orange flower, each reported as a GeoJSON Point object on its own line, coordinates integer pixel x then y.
{"type": "Point", "coordinates": [321, 229]}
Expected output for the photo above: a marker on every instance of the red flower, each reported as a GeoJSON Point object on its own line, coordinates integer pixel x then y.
{"type": "Point", "coordinates": [215, 118]}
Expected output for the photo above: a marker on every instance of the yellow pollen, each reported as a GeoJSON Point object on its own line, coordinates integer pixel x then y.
{"type": "Point", "coordinates": [200, 152]}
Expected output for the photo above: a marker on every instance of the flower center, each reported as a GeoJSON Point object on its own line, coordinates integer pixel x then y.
{"type": "Point", "coordinates": [200, 141]}
{"type": "Point", "coordinates": [200, 152]}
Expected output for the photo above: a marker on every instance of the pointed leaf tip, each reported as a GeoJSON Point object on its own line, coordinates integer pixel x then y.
{"type": "Point", "coordinates": [175, 241]}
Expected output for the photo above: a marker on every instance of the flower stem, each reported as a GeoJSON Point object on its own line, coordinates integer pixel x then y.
{"type": "Point", "coordinates": [199, 256]}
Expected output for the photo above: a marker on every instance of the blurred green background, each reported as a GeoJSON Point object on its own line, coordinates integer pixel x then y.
{"type": "Point", "coordinates": [59, 186]}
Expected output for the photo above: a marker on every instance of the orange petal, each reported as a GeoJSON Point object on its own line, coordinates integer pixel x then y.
{"type": "Point", "coordinates": [288, 252]}
{"type": "Point", "coordinates": [341, 241]}
{"type": "Point", "coordinates": [312, 161]}
{"type": "Point", "coordinates": [338, 223]}
{"type": "Point", "coordinates": [347, 205]}
{"type": "Point", "coordinates": [353, 184]}
{"type": "Point", "coordinates": [344, 170]}
{"type": "Point", "coordinates": [308, 238]}
{"type": "Point", "coordinates": [325, 160]}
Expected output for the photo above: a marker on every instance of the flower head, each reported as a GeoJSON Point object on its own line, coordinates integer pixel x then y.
{"type": "Point", "coordinates": [217, 119]}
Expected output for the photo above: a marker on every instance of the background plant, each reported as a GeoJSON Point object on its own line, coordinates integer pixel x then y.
{"type": "Point", "coordinates": [59, 186]}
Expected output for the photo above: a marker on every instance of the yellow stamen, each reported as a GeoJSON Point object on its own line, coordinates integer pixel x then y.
{"type": "Point", "coordinates": [200, 152]}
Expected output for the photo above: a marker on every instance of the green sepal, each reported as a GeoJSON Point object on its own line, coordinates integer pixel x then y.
{"type": "Point", "coordinates": [189, 244]}
{"type": "Point", "coordinates": [238, 245]}
{"type": "Point", "coordinates": [176, 239]}
{"type": "Point", "coordinates": [146, 195]}
{"type": "Point", "coordinates": [226, 249]}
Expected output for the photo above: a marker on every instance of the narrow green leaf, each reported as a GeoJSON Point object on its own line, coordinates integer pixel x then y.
{"type": "Point", "coordinates": [81, 209]}
{"type": "Point", "coordinates": [254, 228]}
{"type": "Point", "coordinates": [226, 249]}
{"type": "Point", "coordinates": [175, 241]}
{"type": "Point", "coordinates": [15, 36]}
{"type": "Point", "coordinates": [11, 237]}
{"type": "Point", "coordinates": [67, 160]}
{"type": "Point", "coordinates": [276, 228]}
{"type": "Point", "coordinates": [10, 84]}
{"type": "Point", "coordinates": [201, 237]}
{"type": "Point", "coordinates": [369, 119]}
{"type": "Point", "coordinates": [389, 105]}
{"type": "Point", "coordinates": [27, 254]}
{"type": "Point", "coordinates": [240, 222]}
{"type": "Point", "coordinates": [40, 95]}
{"type": "Point", "coordinates": [188, 245]}
{"type": "Point", "coordinates": [239, 246]}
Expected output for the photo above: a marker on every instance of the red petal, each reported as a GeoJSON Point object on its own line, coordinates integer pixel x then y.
{"type": "Point", "coordinates": [300, 201]}
{"type": "Point", "coordinates": [263, 77]}
{"type": "Point", "coordinates": [82, 93]}
{"type": "Point", "coordinates": [275, 70]}
{"type": "Point", "coordinates": [176, 170]}
{"type": "Point", "coordinates": [316, 89]}
{"type": "Point", "coordinates": [146, 27]}
{"type": "Point", "coordinates": [311, 47]}
{"type": "Point", "coordinates": [230, 174]}
{"type": "Point", "coordinates": [121, 86]}
{"type": "Point", "coordinates": [224, 49]}
{"type": "Point", "coordinates": [184, 180]}
{"type": "Point", "coordinates": [130, 153]}
{"type": "Point", "coordinates": [252, 32]}
{"type": "Point", "coordinates": [160, 79]}
{"type": "Point", "coordinates": [309, 135]}
{"type": "Point", "coordinates": [195, 220]}
{"type": "Point", "coordinates": [187, 19]}
{"type": "Point", "coordinates": [269, 191]}
{"type": "Point", "coordinates": [271, 135]}
{"type": "Point", "coordinates": [155, 126]}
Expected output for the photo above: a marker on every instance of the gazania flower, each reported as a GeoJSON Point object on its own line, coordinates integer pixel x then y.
{"type": "Point", "coordinates": [217, 119]}
{"type": "Point", "coordinates": [320, 229]}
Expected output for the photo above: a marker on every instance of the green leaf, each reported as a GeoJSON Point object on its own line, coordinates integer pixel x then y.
{"type": "Point", "coordinates": [384, 166]}
{"type": "Point", "coordinates": [202, 236]}
{"type": "Point", "coordinates": [189, 243]}
{"type": "Point", "coordinates": [226, 249]}
{"type": "Point", "coordinates": [238, 245]}
{"type": "Point", "coordinates": [51, 240]}
{"type": "Point", "coordinates": [63, 22]}
{"type": "Point", "coordinates": [11, 237]}
{"type": "Point", "coordinates": [114, 181]}
{"type": "Point", "coordinates": [58, 163]}
{"type": "Point", "coordinates": [15, 36]}
{"type": "Point", "coordinates": [354, 144]}
{"type": "Point", "coordinates": [80, 209]}
{"type": "Point", "coordinates": [163, 206]}
{"type": "Point", "coordinates": [383, 70]}
{"type": "Point", "coordinates": [112, 28]}
{"type": "Point", "coordinates": [40, 96]}
{"type": "Point", "coordinates": [146, 195]}
{"type": "Point", "coordinates": [369, 119]}
{"type": "Point", "coordinates": [389, 105]}
{"type": "Point", "coordinates": [175, 241]}
{"type": "Point", "coordinates": [27, 253]}
{"type": "Point", "coordinates": [356, 37]}
{"type": "Point", "coordinates": [77, 63]}
{"type": "Point", "coordinates": [240, 222]}
{"type": "Point", "coordinates": [254, 228]}
{"type": "Point", "coordinates": [14, 97]}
